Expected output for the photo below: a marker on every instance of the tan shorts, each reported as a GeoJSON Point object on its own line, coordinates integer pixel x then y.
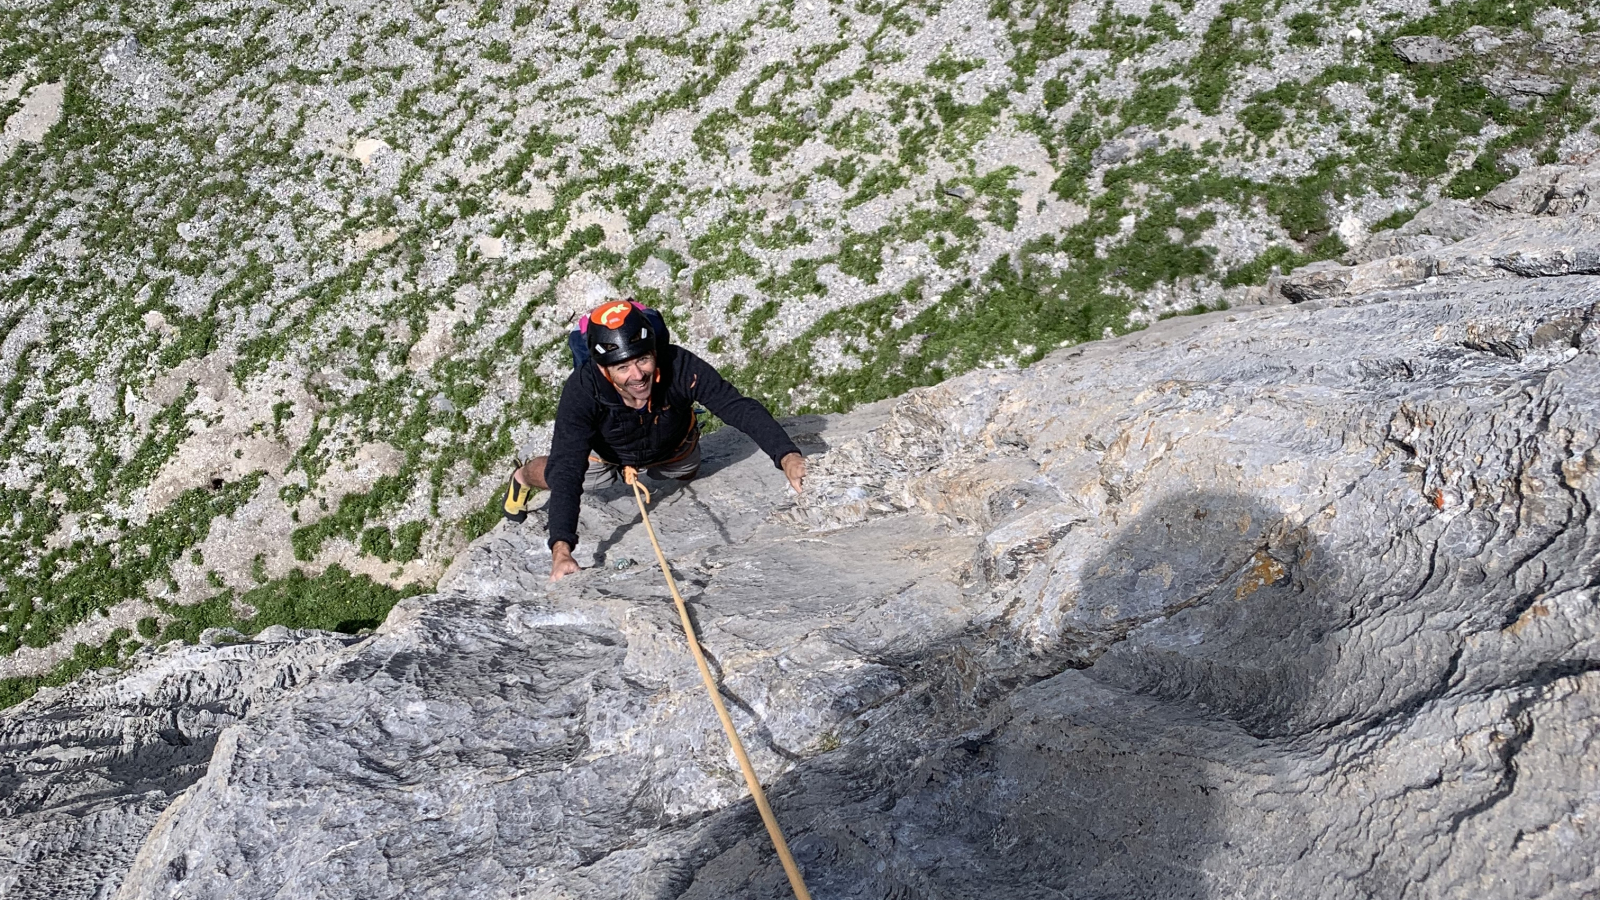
{"type": "Point", "coordinates": [683, 464]}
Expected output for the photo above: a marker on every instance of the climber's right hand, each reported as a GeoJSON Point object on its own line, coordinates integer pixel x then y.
{"type": "Point", "coordinates": [561, 562]}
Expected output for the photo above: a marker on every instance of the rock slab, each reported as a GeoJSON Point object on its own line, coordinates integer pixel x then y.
{"type": "Point", "coordinates": [1301, 602]}
{"type": "Point", "coordinates": [1425, 49]}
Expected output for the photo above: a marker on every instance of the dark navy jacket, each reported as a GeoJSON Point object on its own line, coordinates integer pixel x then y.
{"type": "Point", "coordinates": [592, 417]}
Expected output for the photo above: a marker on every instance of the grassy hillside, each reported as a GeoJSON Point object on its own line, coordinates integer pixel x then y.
{"type": "Point", "coordinates": [283, 287]}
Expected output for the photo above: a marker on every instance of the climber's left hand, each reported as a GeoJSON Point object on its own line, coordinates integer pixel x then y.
{"type": "Point", "coordinates": [794, 469]}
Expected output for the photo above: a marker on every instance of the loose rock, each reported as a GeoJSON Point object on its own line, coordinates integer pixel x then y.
{"type": "Point", "coordinates": [1423, 49]}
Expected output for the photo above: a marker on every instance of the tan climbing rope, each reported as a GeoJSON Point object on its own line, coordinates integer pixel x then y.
{"type": "Point", "coordinates": [642, 494]}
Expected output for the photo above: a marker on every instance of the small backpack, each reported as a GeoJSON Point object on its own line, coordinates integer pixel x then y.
{"type": "Point", "coordinates": [580, 345]}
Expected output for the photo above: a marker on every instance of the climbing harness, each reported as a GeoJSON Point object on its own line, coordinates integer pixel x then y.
{"type": "Point", "coordinates": [642, 494]}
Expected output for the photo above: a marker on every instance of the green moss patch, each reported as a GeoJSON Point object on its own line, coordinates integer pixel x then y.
{"type": "Point", "coordinates": [334, 600]}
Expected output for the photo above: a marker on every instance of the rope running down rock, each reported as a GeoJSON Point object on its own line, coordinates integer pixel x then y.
{"type": "Point", "coordinates": [642, 495]}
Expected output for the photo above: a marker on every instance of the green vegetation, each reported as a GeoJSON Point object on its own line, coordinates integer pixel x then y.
{"type": "Point", "coordinates": [83, 659]}
{"type": "Point", "coordinates": [1283, 259]}
{"type": "Point", "coordinates": [1394, 219]}
{"type": "Point", "coordinates": [1196, 310]}
{"type": "Point", "coordinates": [335, 600]}
{"type": "Point", "coordinates": [47, 591]}
{"type": "Point", "coordinates": [1303, 29]}
{"type": "Point", "coordinates": [348, 521]}
{"type": "Point", "coordinates": [1223, 51]}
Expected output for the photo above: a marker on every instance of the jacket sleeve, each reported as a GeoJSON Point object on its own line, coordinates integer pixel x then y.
{"type": "Point", "coordinates": [577, 417]}
{"type": "Point", "coordinates": [706, 384]}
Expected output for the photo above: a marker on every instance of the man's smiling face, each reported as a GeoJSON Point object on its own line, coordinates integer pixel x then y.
{"type": "Point", "coordinates": [633, 378]}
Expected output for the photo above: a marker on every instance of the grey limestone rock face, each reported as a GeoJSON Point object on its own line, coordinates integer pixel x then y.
{"type": "Point", "coordinates": [1300, 602]}
{"type": "Point", "coordinates": [1385, 244]}
{"type": "Point", "coordinates": [1529, 248]}
{"type": "Point", "coordinates": [86, 770]}
{"type": "Point", "coordinates": [1316, 281]}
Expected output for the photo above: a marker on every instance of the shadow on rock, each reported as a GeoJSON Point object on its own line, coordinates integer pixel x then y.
{"type": "Point", "coordinates": [727, 447]}
{"type": "Point", "coordinates": [1198, 635]}
{"type": "Point", "coordinates": [1231, 612]}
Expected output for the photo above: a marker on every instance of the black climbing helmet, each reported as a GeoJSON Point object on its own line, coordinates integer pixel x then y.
{"type": "Point", "coordinates": [617, 332]}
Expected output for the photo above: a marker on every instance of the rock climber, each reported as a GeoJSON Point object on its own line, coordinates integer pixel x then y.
{"type": "Point", "coordinates": [633, 405]}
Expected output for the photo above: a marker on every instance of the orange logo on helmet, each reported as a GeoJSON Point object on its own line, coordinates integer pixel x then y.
{"type": "Point", "coordinates": [611, 316]}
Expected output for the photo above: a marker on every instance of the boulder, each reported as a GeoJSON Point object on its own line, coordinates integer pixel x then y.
{"type": "Point", "coordinates": [1547, 190]}
{"type": "Point", "coordinates": [364, 150]}
{"type": "Point", "coordinates": [1574, 191]}
{"type": "Point", "coordinates": [40, 111]}
{"type": "Point", "coordinates": [1524, 193]}
{"type": "Point", "coordinates": [1317, 281]}
{"type": "Point", "coordinates": [1481, 40]}
{"type": "Point", "coordinates": [1525, 86]}
{"type": "Point", "coordinates": [1424, 49]}
{"type": "Point", "coordinates": [655, 273]}
{"type": "Point", "coordinates": [1435, 225]}
{"type": "Point", "coordinates": [122, 51]}
{"type": "Point", "coordinates": [1389, 242]}
{"type": "Point", "coordinates": [1320, 281]}
{"type": "Point", "coordinates": [488, 246]}
{"type": "Point", "coordinates": [1128, 143]}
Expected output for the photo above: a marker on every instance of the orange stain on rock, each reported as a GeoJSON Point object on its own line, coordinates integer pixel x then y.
{"type": "Point", "coordinates": [1264, 570]}
{"type": "Point", "coordinates": [1536, 611]}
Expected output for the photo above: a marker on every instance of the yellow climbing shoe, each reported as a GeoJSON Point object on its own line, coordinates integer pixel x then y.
{"type": "Point", "coordinates": [517, 497]}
